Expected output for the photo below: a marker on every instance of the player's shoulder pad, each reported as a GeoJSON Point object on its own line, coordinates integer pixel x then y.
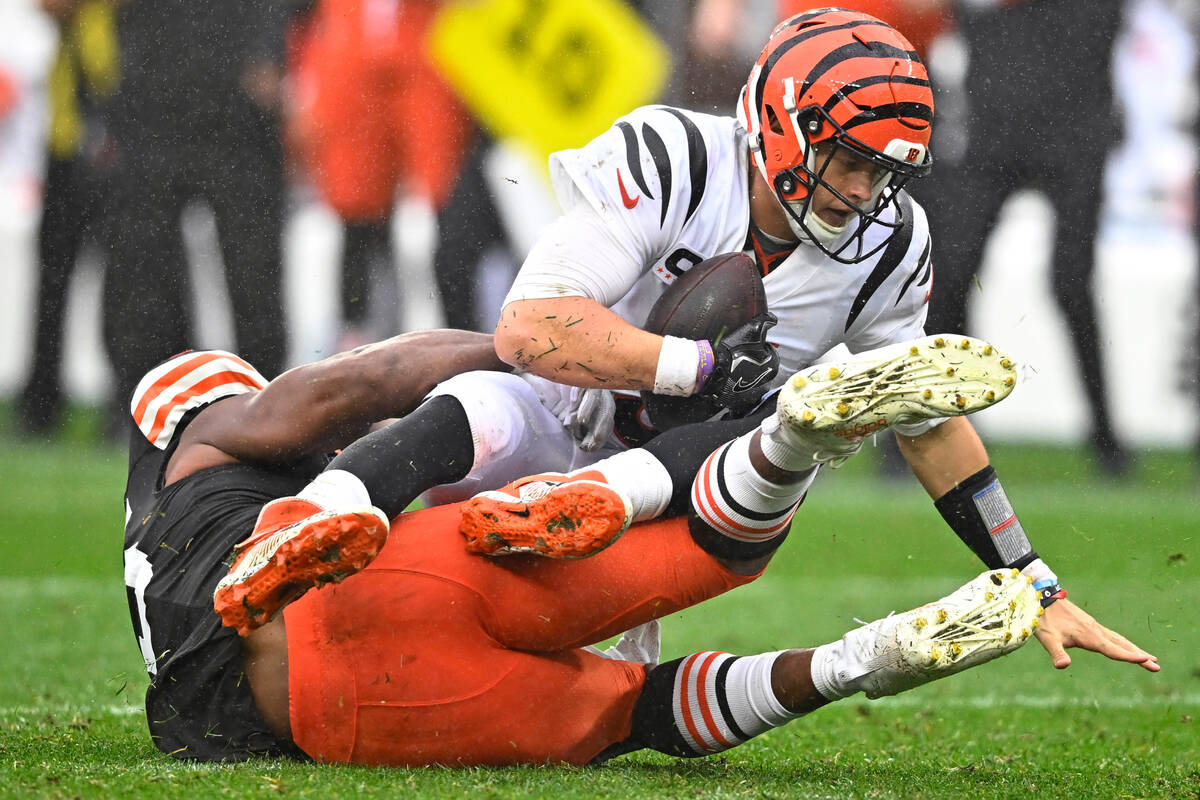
{"type": "Point", "coordinates": [655, 161]}
{"type": "Point", "coordinates": [184, 382]}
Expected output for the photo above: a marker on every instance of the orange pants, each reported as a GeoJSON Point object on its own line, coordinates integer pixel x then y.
{"type": "Point", "coordinates": [435, 656]}
{"type": "Point", "coordinates": [374, 113]}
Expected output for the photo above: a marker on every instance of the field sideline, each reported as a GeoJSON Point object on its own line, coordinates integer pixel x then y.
{"type": "Point", "coordinates": [71, 723]}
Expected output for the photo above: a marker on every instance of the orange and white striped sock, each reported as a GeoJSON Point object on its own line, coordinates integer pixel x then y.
{"type": "Point", "coordinates": [732, 498]}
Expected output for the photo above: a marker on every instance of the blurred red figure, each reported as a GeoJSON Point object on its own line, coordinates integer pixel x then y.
{"type": "Point", "coordinates": [372, 111]}
{"type": "Point", "coordinates": [919, 20]}
{"type": "Point", "coordinates": [373, 115]}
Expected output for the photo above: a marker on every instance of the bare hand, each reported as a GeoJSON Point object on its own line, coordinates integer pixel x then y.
{"type": "Point", "coordinates": [1067, 625]}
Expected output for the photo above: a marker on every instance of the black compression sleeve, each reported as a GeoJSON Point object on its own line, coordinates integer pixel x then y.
{"type": "Point", "coordinates": [429, 447]}
{"type": "Point", "coordinates": [979, 512]}
{"type": "Point", "coordinates": [683, 451]}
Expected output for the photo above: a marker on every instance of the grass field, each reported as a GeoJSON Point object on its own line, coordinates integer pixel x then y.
{"type": "Point", "coordinates": [71, 723]}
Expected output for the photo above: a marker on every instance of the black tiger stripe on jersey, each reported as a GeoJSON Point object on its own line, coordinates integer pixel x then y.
{"type": "Point", "coordinates": [662, 162]}
{"type": "Point", "coordinates": [922, 263]}
{"type": "Point", "coordinates": [802, 36]}
{"type": "Point", "coordinates": [633, 154]}
{"type": "Point", "coordinates": [723, 700]}
{"type": "Point", "coordinates": [892, 255]}
{"type": "Point", "coordinates": [697, 161]}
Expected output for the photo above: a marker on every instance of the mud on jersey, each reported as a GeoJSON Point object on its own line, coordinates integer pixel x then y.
{"type": "Point", "coordinates": [178, 541]}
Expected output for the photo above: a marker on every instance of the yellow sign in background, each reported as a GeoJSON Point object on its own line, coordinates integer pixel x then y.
{"type": "Point", "coordinates": [550, 74]}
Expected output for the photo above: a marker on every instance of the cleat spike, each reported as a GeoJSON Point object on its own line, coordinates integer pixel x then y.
{"type": "Point", "coordinates": [834, 372]}
{"type": "Point", "coordinates": [919, 623]}
{"type": "Point", "coordinates": [808, 415]}
{"type": "Point", "coordinates": [950, 371]}
{"type": "Point", "coordinates": [914, 350]}
{"type": "Point", "coordinates": [1006, 363]}
{"type": "Point", "coordinates": [935, 654]}
{"type": "Point", "coordinates": [1007, 636]}
{"type": "Point", "coordinates": [939, 342]}
{"type": "Point", "coordinates": [843, 407]}
{"type": "Point", "coordinates": [965, 344]}
{"type": "Point", "coordinates": [927, 394]}
{"type": "Point", "coordinates": [991, 396]}
{"type": "Point", "coordinates": [987, 350]}
{"type": "Point", "coordinates": [941, 615]}
{"type": "Point", "coordinates": [960, 401]}
{"type": "Point", "coordinates": [1009, 381]}
{"type": "Point", "coordinates": [1035, 624]}
{"type": "Point", "coordinates": [956, 648]}
{"type": "Point", "coordinates": [798, 381]}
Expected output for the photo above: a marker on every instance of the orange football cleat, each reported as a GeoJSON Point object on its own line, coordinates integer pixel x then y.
{"type": "Point", "coordinates": [552, 515]}
{"type": "Point", "coordinates": [296, 545]}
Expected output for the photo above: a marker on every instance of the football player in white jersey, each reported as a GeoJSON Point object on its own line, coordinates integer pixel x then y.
{"type": "Point", "coordinates": [808, 178]}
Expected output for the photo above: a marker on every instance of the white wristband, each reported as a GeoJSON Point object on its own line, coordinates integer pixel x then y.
{"type": "Point", "coordinates": [678, 366]}
{"type": "Point", "coordinates": [1040, 573]}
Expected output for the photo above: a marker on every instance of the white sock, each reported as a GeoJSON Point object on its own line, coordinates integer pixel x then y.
{"type": "Point", "coordinates": [783, 448]}
{"type": "Point", "coordinates": [336, 488]}
{"type": "Point", "coordinates": [639, 476]}
{"type": "Point", "coordinates": [721, 701]}
{"type": "Point", "coordinates": [836, 667]}
{"type": "Point", "coordinates": [732, 497]}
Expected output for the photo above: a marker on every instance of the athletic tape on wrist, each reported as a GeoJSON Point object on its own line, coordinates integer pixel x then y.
{"type": "Point", "coordinates": [979, 512]}
{"type": "Point", "coordinates": [678, 367]}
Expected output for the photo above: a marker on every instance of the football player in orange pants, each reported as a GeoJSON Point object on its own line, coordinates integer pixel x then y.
{"type": "Point", "coordinates": [432, 654]}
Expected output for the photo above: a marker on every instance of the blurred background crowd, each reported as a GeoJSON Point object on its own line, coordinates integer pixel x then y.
{"type": "Point", "coordinates": [291, 178]}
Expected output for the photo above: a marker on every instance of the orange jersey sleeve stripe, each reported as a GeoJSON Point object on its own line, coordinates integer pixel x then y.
{"type": "Point", "coordinates": [189, 381]}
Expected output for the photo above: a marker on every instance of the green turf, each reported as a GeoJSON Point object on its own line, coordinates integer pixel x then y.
{"type": "Point", "coordinates": [70, 721]}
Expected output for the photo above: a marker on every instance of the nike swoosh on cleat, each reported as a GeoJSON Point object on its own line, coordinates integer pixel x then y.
{"type": "Point", "coordinates": [524, 512]}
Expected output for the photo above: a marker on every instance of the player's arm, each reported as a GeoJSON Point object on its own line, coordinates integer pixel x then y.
{"type": "Point", "coordinates": [325, 405]}
{"type": "Point", "coordinates": [951, 463]}
{"type": "Point", "coordinates": [556, 322]}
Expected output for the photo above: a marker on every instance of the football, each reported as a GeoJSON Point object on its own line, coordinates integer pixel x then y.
{"type": "Point", "coordinates": [714, 297]}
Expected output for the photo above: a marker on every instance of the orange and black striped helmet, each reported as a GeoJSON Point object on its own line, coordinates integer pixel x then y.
{"type": "Point", "coordinates": [839, 76]}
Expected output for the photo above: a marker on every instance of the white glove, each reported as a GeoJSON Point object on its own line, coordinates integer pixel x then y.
{"type": "Point", "coordinates": [591, 422]}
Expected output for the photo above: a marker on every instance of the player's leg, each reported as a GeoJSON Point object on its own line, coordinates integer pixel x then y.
{"type": "Point", "coordinates": [745, 492]}
{"type": "Point", "coordinates": [1077, 206]}
{"type": "Point", "coordinates": [339, 522]}
{"type": "Point", "coordinates": [977, 191]}
{"type": "Point", "coordinates": [396, 668]}
{"type": "Point", "coordinates": [485, 427]}
{"type": "Point", "coordinates": [246, 190]}
{"type": "Point", "coordinates": [709, 702]}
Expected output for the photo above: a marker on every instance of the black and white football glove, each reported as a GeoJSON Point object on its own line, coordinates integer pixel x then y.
{"type": "Point", "coordinates": [745, 366]}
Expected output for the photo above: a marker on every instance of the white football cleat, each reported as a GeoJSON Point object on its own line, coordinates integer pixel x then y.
{"type": "Point", "coordinates": [830, 408]}
{"type": "Point", "coordinates": [988, 617]}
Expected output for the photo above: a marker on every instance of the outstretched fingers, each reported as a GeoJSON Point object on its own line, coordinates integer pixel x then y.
{"type": "Point", "coordinates": [1065, 625]}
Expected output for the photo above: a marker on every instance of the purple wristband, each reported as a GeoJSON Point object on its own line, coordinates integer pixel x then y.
{"type": "Point", "coordinates": [707, 362]}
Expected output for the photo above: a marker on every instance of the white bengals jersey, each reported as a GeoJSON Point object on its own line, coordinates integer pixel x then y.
{"type": "Point", "coordinates": [671, 188]}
